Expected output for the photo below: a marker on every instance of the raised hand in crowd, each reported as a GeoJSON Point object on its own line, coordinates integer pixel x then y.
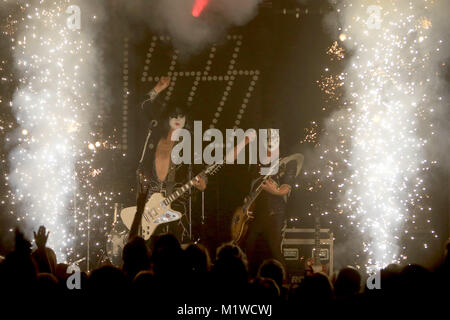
{"type": "Point", "coordinates": [41, 237]}
{"type": "Point", "coordinates": [41, 255]}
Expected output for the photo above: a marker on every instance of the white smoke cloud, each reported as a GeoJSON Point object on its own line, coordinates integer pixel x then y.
{"type": "Point", "coordinates": [190, 34]}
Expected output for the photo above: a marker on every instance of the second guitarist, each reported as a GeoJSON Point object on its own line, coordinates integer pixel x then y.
{"type": "Point", "coordinates": [269, 213]}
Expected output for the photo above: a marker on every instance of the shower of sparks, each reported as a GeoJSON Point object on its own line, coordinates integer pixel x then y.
{"type": "Point", "coordinates": [384, 124]}
{"type": "Point", "coordinates": [52, 107]}
{"type": "Point", "coordinates": [311, 134]}
{"type": "Point", "coordinates": [336, 52]}
{"type": "Point", "coordinates": [330, 85]}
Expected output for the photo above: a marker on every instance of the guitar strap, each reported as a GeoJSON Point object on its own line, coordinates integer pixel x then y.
{"type": "Point", "coordinates": [170, 178]}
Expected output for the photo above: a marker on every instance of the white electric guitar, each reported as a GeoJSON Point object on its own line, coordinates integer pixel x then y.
{"type": "Point", "coordinates": [157, 209]}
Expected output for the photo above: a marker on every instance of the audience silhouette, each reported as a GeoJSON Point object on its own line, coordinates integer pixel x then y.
{"type": "Point", "coordinates": [170, 275]}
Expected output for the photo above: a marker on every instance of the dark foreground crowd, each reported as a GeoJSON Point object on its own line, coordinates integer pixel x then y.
{"type": "Point", "coordinates": [166, 277]}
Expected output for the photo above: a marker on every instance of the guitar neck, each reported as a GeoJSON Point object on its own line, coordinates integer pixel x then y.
{"type": "Point", "coordinates": [179, 192]}
{"type": "Point", "coordinates": [187, 186]}
{"type": "Point", "coordinates": [252, 197]}
{"type": "Point", "coordinates": [209, 170]}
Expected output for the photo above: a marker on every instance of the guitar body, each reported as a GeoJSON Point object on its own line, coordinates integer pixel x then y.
{"type": "Point", "coordinates": [239, 223]}
{"type": "Point", "coordinates": [155, 213]}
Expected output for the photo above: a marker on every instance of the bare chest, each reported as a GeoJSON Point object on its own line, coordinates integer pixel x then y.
{"type": "Point", "coordinates": [162, 159]}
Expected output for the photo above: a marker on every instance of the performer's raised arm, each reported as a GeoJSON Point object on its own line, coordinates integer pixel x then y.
{"type": "Point", "coordinates": [162, 84]}
{"type": "Point", "coordinates": [153, 109]}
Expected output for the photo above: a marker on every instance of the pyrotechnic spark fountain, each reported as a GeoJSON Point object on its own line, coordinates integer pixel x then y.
{"type": "Point", "coordinates": [52, 108]}
{"type": "Point", "coordinates": [386, 119]}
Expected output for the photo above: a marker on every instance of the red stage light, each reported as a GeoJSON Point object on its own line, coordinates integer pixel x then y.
{"type": "Point", "coordinates": [198, 7]}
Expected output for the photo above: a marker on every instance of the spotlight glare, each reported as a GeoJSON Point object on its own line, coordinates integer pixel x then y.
{"type": "Point", "coordinates": [198, 8]}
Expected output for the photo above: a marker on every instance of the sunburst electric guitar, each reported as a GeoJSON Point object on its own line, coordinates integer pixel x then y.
{"type": "Point", "coordinates": [243, 215]}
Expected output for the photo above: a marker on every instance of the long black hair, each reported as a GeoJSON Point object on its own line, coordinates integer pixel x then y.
{"type": "Point", "coordinates": [173, 109]}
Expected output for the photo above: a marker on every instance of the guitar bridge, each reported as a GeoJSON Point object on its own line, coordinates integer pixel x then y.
{"type": "Point", "coordinates": [167, 217]}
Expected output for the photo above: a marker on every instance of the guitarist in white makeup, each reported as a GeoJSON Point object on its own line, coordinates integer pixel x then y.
{"type": "Point", "coordinates": [158, 174]}
{"type": "Point", "coordinates": [268, 210]}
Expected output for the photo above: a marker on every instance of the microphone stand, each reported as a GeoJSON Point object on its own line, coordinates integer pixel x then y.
{"type": "Point", "coordinates": [152, 125]}
{"type": "Point", "coordinates": [190, 204]}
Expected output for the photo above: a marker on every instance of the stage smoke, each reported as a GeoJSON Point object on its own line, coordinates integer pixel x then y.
{"type": "Point", "coordinates": [190, 34]}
